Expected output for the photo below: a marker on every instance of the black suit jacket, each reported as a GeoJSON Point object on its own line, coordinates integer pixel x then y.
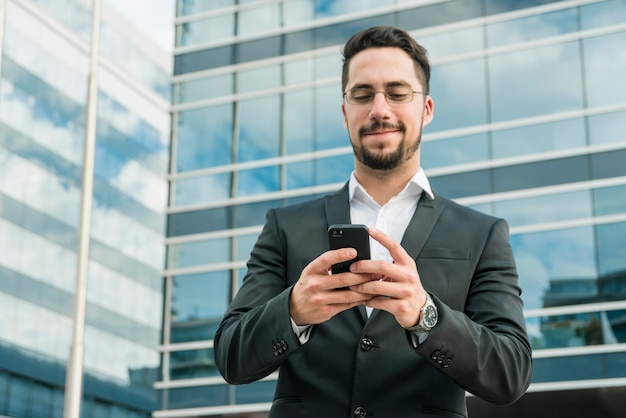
{"type": "Point", "coordinates": [353, 365]}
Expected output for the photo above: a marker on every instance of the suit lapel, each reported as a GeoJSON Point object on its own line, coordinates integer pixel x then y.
{"type": "Point", "coordinates": [422, 223]}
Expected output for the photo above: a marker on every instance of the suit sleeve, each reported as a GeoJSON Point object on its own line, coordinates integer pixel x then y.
{"type": "Point", "coordinates": [485, 349]}
{"type": "Point", "coordinates": [255, 335]}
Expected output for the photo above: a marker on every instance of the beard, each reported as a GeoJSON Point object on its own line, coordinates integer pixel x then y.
{"type": "Point", "coordinates": [386, 161]}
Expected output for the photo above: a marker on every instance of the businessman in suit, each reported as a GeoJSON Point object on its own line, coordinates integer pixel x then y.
{"type": "Point", "coordinates": [437, 310]}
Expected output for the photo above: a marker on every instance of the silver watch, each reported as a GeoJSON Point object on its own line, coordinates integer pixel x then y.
{"type": "Point", "coordinates": [428, 317]}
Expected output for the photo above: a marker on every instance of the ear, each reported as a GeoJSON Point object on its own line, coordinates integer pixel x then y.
{"type": "Point", "coordinates": [343, 111]}
{"type": "Point", "coordinates": [429, 109]}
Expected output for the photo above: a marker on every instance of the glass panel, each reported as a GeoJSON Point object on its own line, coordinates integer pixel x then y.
{"type": "Point", "coordinates": [556, 267]}
{"type": "Point", "coordinates": [603, 13]}
{"type": "Point", "coordinates": [612, 256]}
{"type": "Point", "coordinates": [539, 138]}
{"type": "Point", "coordinates": [605, 66]}
{"type": "Point", "coordinates": [192, 364]}
{"type": "Point", "coordinates": [596, 366]}
{"type": "Point", "coordinates": [533, 27]}
{"type": "Point", "coordinates": [541, 173]}
{"type": "Point", "coordinates": [472, 183]}
{"type": "Point", "coordinates": [452, 151]}
{"type": "Point", "coordinates": [535, 82]}
{"type": "Point", "coordinates": [452, 42]}
{"type": "Point", "coordinates": [244, 246]}
{"type": "Point", "coordinates": [203, 89]}
{"type": "Point", "coordinates": [298, 122]}
{"type": "Point", "coordinates": [189, 7]}
{"type": "Point", "coordinates": [258, 181]}
{"type": "Point", "coordinates": [610, 200]}
{"type": "Point", "coordinates": [328, 118]}
{"type": "Point", "coordinates": [333, 169]}
{"type": "Point", "coordinates": [300, 174]}
{"type": "Point", "coordinates": [198, 304]}
{"type": "Point", "coordinates": [258, 20]}
{"type": "Point", "coordinates": [543, 209]}
{"type": "Point", "coordinates": [298, 72]}
{"type": "Point", "coordinates": [576, 330]}
{"type": "Point", "coordinates": [259, 79]}
{"type": "Point", "coordinates": [199, 253]}
{"type": "Point", "coordinates": [204, 137]}
{"type": "Point", "coordinates": [200, 31]}
{"type": "Point", "coordinates": [459, 103]}
{"type": "Point", "coordinates": [259, 135]}
{"type": "Point", "coordinates": [202, 189]}
{"type": "Point", "coordinates": [326, 8]}
{"type": "Point", "coordinates": [328, 66]}
{"type": "Point", "coordinates": [214, 395]}
{"type": "Point", "coordinates": [607, 128]}
{"type": "Point", "coordinates": [296, 12]}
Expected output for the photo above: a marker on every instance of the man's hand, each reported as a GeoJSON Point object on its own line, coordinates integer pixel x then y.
{"type": "Point", "coordinates": [399, 289]}
{"type": "Point", "coordinates": [319, 295]}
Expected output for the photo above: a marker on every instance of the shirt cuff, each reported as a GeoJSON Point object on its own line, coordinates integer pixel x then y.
{"type": "Point", "coordinates": [303, 332]}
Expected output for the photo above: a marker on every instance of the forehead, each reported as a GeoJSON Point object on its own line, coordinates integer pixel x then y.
{"type": "Point", "coordinates": [381, 66]}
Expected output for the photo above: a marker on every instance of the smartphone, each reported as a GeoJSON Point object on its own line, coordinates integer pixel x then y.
{"type": "Point", "coordinates": [349, 236]}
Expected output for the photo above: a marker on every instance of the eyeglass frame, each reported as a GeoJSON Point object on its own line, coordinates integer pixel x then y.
{"type": "Point", "coordinates": [384, 92]}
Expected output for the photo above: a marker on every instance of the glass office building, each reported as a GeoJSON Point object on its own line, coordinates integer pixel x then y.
{"type": "Point", "coordinates": [43, 88]}
{"type": "Point", "coordinates": [530, 123]}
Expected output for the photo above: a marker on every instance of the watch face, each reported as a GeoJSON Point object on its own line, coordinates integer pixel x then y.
{"type": "Point", "coordinates": [430, 316]}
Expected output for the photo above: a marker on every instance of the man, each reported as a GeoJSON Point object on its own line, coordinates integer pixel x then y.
{"type": "Point", "coordinates": [435, 313]}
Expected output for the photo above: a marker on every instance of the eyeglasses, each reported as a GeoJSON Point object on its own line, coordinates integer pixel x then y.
{"type": "Point", "coordinates": [393, 95]}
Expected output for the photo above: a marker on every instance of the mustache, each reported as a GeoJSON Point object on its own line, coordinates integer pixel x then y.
{"type": "Point", "coordinates": [378, 126]}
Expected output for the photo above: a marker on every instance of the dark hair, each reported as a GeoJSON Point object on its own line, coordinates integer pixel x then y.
{"type": "Point", "coordinates": [386, 36]}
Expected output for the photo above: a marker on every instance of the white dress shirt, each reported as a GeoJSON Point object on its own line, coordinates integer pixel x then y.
{"type": "Point", "coordinates": [392, 218]}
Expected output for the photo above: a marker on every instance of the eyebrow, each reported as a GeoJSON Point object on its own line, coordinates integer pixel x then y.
{"type": "Point", "coordinates": [389, 84]}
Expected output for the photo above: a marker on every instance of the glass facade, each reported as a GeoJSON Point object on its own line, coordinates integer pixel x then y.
{"type": "Point", "coordinates": [530, 115]}
{"type": "Point", "coordinates": [43, 88]}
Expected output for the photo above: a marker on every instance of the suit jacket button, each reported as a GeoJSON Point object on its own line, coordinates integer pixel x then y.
{"type": "Point", "coordinates": [366, 345]}
{"type": "Point", "coordinates": [359, 412]}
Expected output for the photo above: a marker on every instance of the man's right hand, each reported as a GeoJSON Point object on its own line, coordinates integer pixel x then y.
{"type": "Point", "coordinates": [319, 295]}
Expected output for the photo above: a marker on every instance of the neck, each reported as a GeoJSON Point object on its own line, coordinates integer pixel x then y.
{"type": "Point", "coordinates": [383, 185]}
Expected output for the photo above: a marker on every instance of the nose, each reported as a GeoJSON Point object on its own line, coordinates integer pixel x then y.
{"type": "Point", "coordinates": [379, 108]}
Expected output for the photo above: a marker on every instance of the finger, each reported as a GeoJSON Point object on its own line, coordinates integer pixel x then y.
{"type": "Point", "coordinates": [397, 252]}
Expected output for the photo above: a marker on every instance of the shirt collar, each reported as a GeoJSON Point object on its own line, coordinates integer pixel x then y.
{"type": "Point", "coordinates": [419, 183]}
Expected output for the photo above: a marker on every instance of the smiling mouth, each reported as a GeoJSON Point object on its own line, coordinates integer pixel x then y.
{"type": "Point", "coordinates": [381, 128]}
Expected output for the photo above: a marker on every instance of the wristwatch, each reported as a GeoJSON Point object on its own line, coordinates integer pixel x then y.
{"type": "Point", "coordinates": [428, 317]}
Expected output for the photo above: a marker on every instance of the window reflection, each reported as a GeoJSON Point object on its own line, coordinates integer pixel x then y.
{"type": "Point", "coordinates": [453, 151]}
{"type": "Point", "coordinates": [612, 255]}
{"type": "Point", "coordinates": [460, 103]}
{"type": "Point", "coordinates": [610, 200]}
{"type": "Point", "coordinates": [607, 128]}
{"type": "Point", "coordinates": [555, 256]}
{"type": "Point", "coordinates": [328, 118]}
{"type": "Point", "coordinates": [452, 42]}
{"type": "Point", "coordinates": [605, 68]}
{"type": "Point", "coordinates": [258, 181]}
{"type": "Point", "coordinates": [259, 79]}
{"type": "Point", "coordinates": [198, 303]}
{"type": "Point", "coordinates": [533, 27]}
{"type": "Point", "coordinates": [212, 29]}
{"type": "Point", "coordinates": [203, 89]}
{"type": "Point", "coordinates": [577, 329]}
{"type": "Point", "coordinates": [535, 82]}
{"type": "Point", "coordinates": [298, 122]}
{"type": "Point", "coordinates": [602, 13]}
{"type": "Point", "coordinates": [190, 364]}
{"type": "Point", "coordinates": [544, 209]}
{"type": "Point", "coordinates": [202, 189]}
{"type": "Point", "coordinates": [204, 137]}
{"type": "Point", "coordinates": [198, 253]}
{"type": "Point", "coordinates": [539, 138]}
{"type": "Point", "coordinates": [259, 19]}
{"type": "Point", "coordinates": [259, 135]}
